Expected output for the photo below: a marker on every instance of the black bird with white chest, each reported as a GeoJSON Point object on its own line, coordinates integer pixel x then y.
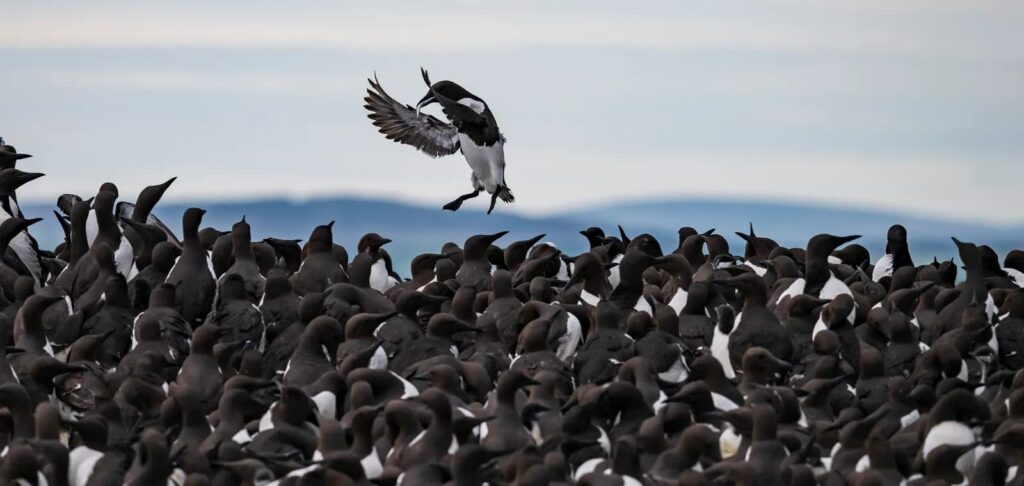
{"type": "Point", "coordinates": [472, 130]}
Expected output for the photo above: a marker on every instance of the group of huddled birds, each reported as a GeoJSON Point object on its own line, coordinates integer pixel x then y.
{"type": "Point", "coordinates": [136, 354]}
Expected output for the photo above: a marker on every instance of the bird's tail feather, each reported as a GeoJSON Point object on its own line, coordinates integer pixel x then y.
{"type": "Point", "coordinates": [506, 194]}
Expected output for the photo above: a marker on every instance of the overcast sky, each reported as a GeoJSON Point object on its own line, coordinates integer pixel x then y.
{"type": "Point", "coordinates": [910, 105]}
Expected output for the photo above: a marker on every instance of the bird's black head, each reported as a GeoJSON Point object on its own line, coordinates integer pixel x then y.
{"type": "Point", "coordinates": [12, 179]}
{"type": "Point", "coordinates": [191, 219]}
{"type": "Point", "coordinates": [9, 154]}
{"type": "Point", "coordinates": [372, 242]}
{"type": "Point", "coordinates": [448, 92]}
{"type": "Point", "coordinates": [427, 99]}
{"type": "Point", "coordinates": [897, 235]}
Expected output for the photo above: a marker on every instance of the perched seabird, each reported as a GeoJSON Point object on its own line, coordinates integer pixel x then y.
{"type": "Point", "coordinates": [320, 268]}
{"type": "Point", "coordinates": [755, 324]}
{"type": "Point", "coordinates": [819, 280]}
{"type": "Point", "coordinates": [244, 265]}
{"type": "Point", "coordinates": [475, 270]}
{"type": "Point", "coordinates": [23, 245]}
{"type": "Point", "coordinates": [897, 254]}
{"type": "Point", "coordinates": [192, 275]}
{"type": "Point", "coordinates": [315, 353]}
{"type": "Point", "coordinates": [370, 250]}
{"type": "Point", "coordinates": [200, 370]}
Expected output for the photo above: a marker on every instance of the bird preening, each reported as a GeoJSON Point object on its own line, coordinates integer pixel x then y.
{"type": "Point", "coordinates": [471, 130]}
{"type": "Point", "coordinates": [144, 353]}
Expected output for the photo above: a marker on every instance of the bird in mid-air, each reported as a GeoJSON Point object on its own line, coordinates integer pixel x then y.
{"type": "Point", "coordinates": [472, 130]}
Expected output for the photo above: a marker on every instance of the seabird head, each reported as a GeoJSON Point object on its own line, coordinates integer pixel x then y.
{"type": "Point", "coordinates": [429, 97]}
{"type": "Point", "coordinates": [425, 101]}
{"type": "Point", "coordinates": [9, 152]}
{"type": "Point", "coordinates": [822, 245]}
{"type": "Point", "coordinates": [371, 242]}
{"type": "Point", "coordinates": [12, 179]}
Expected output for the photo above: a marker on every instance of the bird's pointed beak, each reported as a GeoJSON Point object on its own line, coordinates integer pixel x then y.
{"type": "Point", "coordinates": [842, 240]}
{"type": "Point", "coordinates": [27, 177]}
{"type": "Point", "coordinates": [428, 99]}
{"type": "Point", "coordinates": [495, 237]}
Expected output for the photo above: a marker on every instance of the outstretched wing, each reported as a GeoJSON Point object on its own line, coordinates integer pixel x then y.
{"type": "Point", "coordinates": [400, 123]}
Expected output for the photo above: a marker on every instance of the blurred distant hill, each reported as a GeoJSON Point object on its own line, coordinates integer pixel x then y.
{"type": "Point", "coordinates": [416, 229]}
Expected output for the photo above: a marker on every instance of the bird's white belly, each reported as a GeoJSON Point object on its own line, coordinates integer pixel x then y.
{"type": "Point", "coordinates": [326, 404]}
{"type": "Point", "coordinates": [720, 351]}
{"type": "Point", "coordinates": [759, 270]}
{"type": "Point", "coordinates": [589, 298]}
{"type": "Point", "coordinates": [379, 276]}
{"type": "Point", "coordinates": [487, 163]}
{"type": "Point", "coordinates": [832, 289]}
{"type": "Point", "coordinates": [22, 246]}
{"type": "Point", "coordinates": [677, 373]}
{"type": "Point", "coordinates": [568, 343]}
{"type": "Point", "coordinates": [91, 227]}
{"type": "Point", "coordinates": [1016, 275]}
{"type": "Point", "coordinates": [124, 257]}
{"type": "Point", "coordinates": [643, 306]}
{"type": "Point", "coordinates": [82, 462]}
{"type": "Point", "coordinates": [678, 301]}
{"type": "Point", "coordinates": [379, 360]}
{"type": "Point", "coordinates": [372, 465]}
{"type": "Point", "coordinates": [883, 268]}
{"type": "Point", "coordinates": [564, 271]}
{"type": "Point", "coordinates": [723, 402]}
{"type": "Point", "coordinates": [947, 433]}
{"type": "Point", "coordinates": [613, 274]}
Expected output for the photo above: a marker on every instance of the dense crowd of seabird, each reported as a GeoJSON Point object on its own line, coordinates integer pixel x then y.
{"type": "Point", "coordinates": [135, 353]}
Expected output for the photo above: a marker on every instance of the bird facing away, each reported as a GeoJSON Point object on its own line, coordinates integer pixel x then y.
{"type": "Point", "coordinates": [471, 130]}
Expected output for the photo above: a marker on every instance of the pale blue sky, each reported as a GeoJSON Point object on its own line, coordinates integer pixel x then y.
{"type": "Point", "coordinates": [912, 105]}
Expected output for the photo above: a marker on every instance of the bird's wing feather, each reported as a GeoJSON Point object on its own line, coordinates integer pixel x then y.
{"type": "Point", "coordinates": [399, 122]}
{"type": "Point", "coordinates": [460, 114]}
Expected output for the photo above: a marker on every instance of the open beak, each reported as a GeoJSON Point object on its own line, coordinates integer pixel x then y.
{"type": "Point", "coordinates": [428, 99]}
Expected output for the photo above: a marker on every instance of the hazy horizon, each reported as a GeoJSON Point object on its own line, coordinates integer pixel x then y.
{"type": "Point", "coordinates": [417, 229]}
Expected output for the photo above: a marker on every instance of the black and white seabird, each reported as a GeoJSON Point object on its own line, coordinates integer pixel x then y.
{"type": "Point", "coordinates": [192, 273]}
{"type": "Point", "coordinates": [897, 254]}
{"type": "Point", "coordinates": [24, 249]}
{"type": "Point", "coordinates": [472, 130]}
